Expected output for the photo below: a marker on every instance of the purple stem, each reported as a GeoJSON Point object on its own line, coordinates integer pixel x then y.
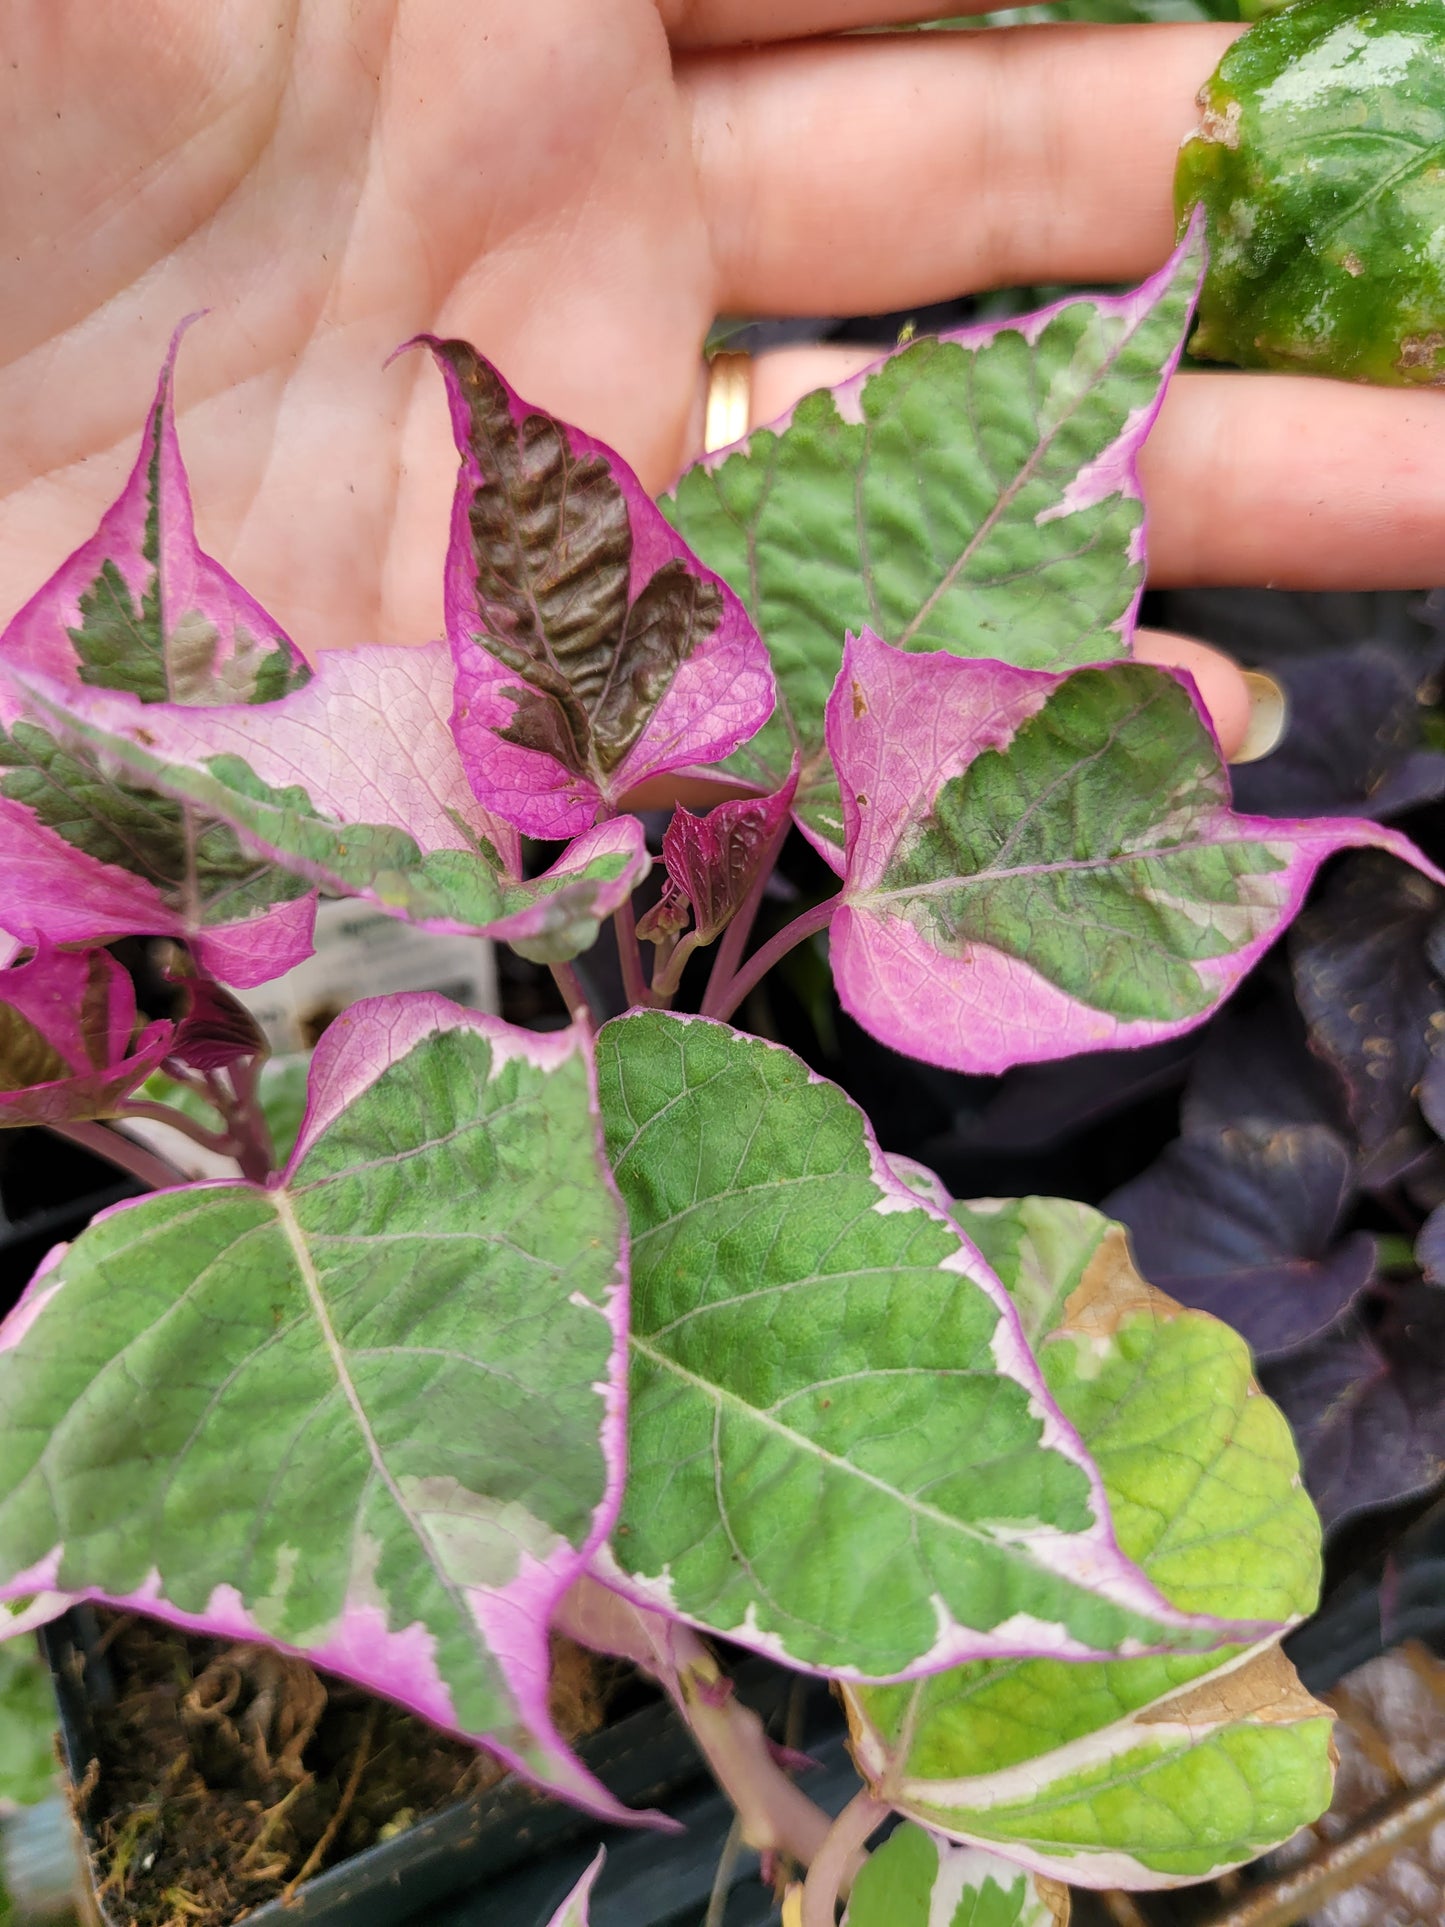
{"type": "Point", "coordinates": [735, 937]}
{"type": "Point", "coordinates": [835, 1865]}
{"type": "Point", "coordinates": [123, 1152]}
{"type": "Point", "coordinates": [573, 995]}
{"type": "Point", "coordinates": [629, 955]}
{"type": "Point", "coordinates": [723, 1001]}
{"type": "Point", "coordinates": [249, 1132]}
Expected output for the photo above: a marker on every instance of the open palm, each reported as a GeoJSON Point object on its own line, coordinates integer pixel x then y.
{"type": "Point", "coordinates": [579, 186]}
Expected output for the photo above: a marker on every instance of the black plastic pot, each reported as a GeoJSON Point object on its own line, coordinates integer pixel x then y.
{"type": "Point", "coordinates": [508, 1856]}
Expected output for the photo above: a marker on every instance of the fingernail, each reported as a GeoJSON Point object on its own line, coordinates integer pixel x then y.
{"type": "Point", "coordinates": [1268, 717]}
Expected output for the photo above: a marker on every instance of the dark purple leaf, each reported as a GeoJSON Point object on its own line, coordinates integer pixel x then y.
{"type": "Point", "coordinates": [1241, 1222]}
{"type": "Point", "coordinates": [1370, 997]}
{"type": "Point", "coordinates": [1353, 744]}
{"type": "Point", "coordinates": [1255, 1066]}
{"type": "Point", "coordinates": [1430, 1246]}
{"type": "Point", "coordinates": [1368, 1406]}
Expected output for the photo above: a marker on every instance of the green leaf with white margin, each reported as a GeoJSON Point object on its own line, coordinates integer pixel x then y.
{"type": "Point", "coordinates": [369, 1413]}
{"type": "Point", "coordinates": [1141, 1772]}
{"type": "Point", "coordinates": [975, 492]}
{"type": "Point", "coordinates": [916, 1879]}
{"type": "Point", "coordinates": [840, 1449]}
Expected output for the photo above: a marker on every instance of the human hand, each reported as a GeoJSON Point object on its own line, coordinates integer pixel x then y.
{"type": "Point", "coordinates": [579, 190]}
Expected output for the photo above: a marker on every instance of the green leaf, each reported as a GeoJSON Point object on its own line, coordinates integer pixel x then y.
{"type": "Point", "coordinates": [1150, 1770]}
{"type": "Point", "coordinates": [974, 493]}
{"type": "Point", "coordinates": [27, 1726]}
{"type": "Point", "coordinates": [1318, 158]}
{"type": "Point", "coordinates": [368, 1412]}
{"type": "Point", "coordinates": [916, 1879]}
{"type": "Point", "coordinates": [840, 1449]}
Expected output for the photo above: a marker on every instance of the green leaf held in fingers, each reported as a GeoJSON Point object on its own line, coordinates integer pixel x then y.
{"type": "Point", "coordinates": [974, 493]}
{"type": "Point", "coordinates": [1320, 162]}
{"type": "Point", "coordinates": [917, 1879]}
{"type": "Point", "coordinates": [368, 1412]}
{"type": "Point", "coordinates": [1149, 1770]}
{"type": "Point", "coordinates": [839, 1447]}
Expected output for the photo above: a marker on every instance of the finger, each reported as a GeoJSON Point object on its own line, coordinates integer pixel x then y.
{"type": "Point", "coordinates": [1220, 682]}
{"type": "Point", "coordinates": [849, 176]}
{"type": "Point", "coordinates": [1254, 481]}
{"type": "Point", "coordinates": [726, 23]}
{"type": "Point", "coordinates": [1294, 483]}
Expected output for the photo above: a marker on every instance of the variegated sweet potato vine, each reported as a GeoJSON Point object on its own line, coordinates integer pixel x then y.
{"type": "Point", "coordinates": [632, 1327]}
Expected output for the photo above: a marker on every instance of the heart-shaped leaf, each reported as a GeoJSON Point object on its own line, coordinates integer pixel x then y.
{"type": "Point", "coordinates": [593, 650]}
{"type": "Point", "coordinates": [1041, 864]}
{"type": "Point", "coordinates": [370, 1413]}
{"type": "Point", "coordinates": [1139, 1771]}
{"type": "Point", "coordinates": [976, 493]}
{"type": "Point", "coordinates": [919, 1879]}
{"type": "Point", "coordinates": [140, 608]}
{"type": "Point", "coordinates": [841, 1450]}
{"type": "Point", "coordinates": [68, 1043]}
{"type": "Point", "coordinates": [355, 783]}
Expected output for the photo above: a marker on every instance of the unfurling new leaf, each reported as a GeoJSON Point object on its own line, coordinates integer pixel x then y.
{"type": "Point", "coordinates": [68, 1038]}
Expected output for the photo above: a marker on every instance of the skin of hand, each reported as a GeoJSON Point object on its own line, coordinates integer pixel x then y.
{"type": "Point", "coordinates": [579, 188]}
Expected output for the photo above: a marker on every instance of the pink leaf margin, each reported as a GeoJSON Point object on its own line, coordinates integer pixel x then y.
{"type": "Point", "coordinates": [364, 1042]}
{"type": "Point", "coordinates": [37, 637]}
{"type": "Point", "coordinates": [1093, 1559]}
{"type": "Point", "coordinates": [49, 992]}
{"type": "Point", "coordinates": [900, 726]}
{"type": "Point", "coordinates": [721, 695]}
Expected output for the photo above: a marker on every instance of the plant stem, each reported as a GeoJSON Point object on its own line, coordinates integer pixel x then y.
{"type": "Point", "coordinates": [735, 937]}
{"type": "Point", "coordinates": [1408, 1817]}
{"type": "Point", "coordinates": [573, 995]}
{"type": "Point", "coordinates": [667, 974]}
{"type": "Point", "coordinates": [220, 1141]}
{"type": "Point", "coordinates": [123, 1152]}
{"type": "Point", "coordinates": [249, 1131]}
{"type": "Point", "coordinates": [731, 994]}
{"type": "Point", "coordinates": [727, 1862]}
{"type": "Point", "coordinates": [634, 984]}
{"type": "Point", "coordinates": [831, 1871]}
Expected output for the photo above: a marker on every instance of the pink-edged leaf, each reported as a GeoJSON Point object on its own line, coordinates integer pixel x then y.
{"type": "Point", "coordinates": [372, 1412]}
{"type": "Point", "coordinates": [68, 1043]}
{"type": "Point", "coordinates": [975, 492]}
{"type": "Point", "coordinates": [714, 860]}
{"type": "Point", "coordinates": [574, 1909]}
{"type": "Point", "coordinates": [1041, 864]}
{"type": "Point", "coordinates": [355, 783]}
{"type": "Point", "coordinates": [593, 650]}
{"type": "Point", "coordinates": [140, 608]}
